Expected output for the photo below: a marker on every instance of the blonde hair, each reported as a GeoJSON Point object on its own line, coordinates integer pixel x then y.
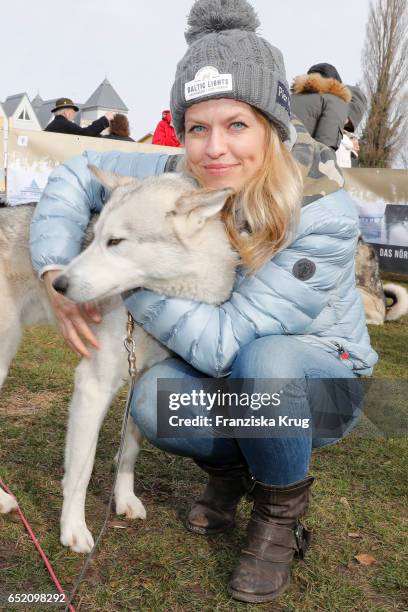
{"type": "Point", "coordinates": [261, 219]}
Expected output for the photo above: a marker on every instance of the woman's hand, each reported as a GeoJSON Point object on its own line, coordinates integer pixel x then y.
{"type": "Point", "coordinates": [72, 319]}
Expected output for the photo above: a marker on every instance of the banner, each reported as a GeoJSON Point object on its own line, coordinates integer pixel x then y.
{"type": "Point", "coordinates": [33, 155]}
{"type": "Point", "coordinates": [381, 196]}
{"type": "Point", "coordinates": [2, 162]}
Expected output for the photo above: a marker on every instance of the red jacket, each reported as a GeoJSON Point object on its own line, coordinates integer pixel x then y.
{"type": "Point", "coordinates": [164, 133]}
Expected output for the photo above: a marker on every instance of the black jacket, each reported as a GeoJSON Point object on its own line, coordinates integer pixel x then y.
{"type": "Point", "coordinates": [64, 126]}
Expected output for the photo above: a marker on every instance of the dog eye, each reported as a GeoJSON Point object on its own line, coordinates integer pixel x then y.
{"type": "Point", "coordinates": [114, 241]}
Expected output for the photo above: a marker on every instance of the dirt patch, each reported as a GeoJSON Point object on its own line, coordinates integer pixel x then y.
{"type": "Point", "coordinates": [25, 403]}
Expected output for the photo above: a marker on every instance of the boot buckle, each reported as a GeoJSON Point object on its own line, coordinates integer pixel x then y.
{"type": "Point", "coordinates": [302, 537]}
{"type": "Point", "coordinates": [251, 486]}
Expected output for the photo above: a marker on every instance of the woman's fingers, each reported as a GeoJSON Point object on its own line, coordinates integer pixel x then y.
{"type": "Point", "coordinates": [82, 329]}
{"type": "Point", "coordinates": [93, 312]}
{"type": "Point", "coordinates": [77, 333]}
{"type": "Point", "coordinates": [71, 319]}
{"type": "Point", "coordinates": [74, 341]}
{"type": "Point", "coordinates": [64, 328]}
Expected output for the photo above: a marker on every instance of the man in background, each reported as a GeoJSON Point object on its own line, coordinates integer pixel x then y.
{"type": "Point", "coordinates": [320, 100]}
{"type": "Point", "coordinates": [63, 122]}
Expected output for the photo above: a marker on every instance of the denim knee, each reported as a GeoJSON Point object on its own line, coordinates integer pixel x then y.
{"type": "Point", "coordinates": [144, 404]}
{"type": "Point", "coordinates": [270, 357]}
{"type": "Point", "coordinates": [144, 400]}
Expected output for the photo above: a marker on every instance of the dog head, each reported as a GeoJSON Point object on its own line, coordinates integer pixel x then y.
{"type": "Point", "coordinates": [162, 233]}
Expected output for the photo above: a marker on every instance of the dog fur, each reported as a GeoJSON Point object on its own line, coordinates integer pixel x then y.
{"type": "Point", "coordinates": [173, 242]}
{"type": "Point", "coordinates": [372, 291]}
{"type": "Point", "coordinates": [171, 226]}
{"type": "Point", "coordinates": [315, 83]}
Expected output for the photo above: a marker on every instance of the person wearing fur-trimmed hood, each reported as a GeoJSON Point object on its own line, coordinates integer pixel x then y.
{"type": "Point", "coordinates": [320, 100]}
{"type": "Point", "coordinates": [294, 313]}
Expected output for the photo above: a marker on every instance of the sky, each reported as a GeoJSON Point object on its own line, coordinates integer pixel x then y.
{"type": "Point", "coordinates": [67, 49]}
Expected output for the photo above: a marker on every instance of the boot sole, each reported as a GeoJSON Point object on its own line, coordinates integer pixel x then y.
{"type": "Point", "coordinates": [205, 531]}
{"type": "Point", "coordinates": [252, 598]}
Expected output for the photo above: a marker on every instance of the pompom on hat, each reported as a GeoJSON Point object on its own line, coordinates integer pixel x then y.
{"type": "Point", "coordinates": [227, 59]}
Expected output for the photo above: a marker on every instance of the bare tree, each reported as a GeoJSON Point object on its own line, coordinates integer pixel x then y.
{"type": "Point", "coordinates": [385, 76]}
{"type": "Point", "coordinates": [402, 159]}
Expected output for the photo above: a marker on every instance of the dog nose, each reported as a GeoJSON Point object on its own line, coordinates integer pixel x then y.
{"type": "Point", "coordinates": [60, 284]}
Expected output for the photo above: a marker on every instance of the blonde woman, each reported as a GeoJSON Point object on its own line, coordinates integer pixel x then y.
{"type": "Point", "coordinates": [294, 313]}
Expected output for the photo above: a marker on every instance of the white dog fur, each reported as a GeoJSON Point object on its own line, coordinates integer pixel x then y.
{"type": "Point", "coordinates": [167, 236]}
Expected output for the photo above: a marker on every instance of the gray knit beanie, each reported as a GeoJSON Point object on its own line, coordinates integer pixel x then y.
{"type": "Point", "coordinates": [227, 59]}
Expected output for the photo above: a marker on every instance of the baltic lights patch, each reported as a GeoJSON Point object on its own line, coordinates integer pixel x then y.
{"type": "Point", "coordinates": [207, 81]}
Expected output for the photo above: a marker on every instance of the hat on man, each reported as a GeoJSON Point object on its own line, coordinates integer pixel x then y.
{"type": "Point", "coordinates": [64, 103]}
{"type": "Point", "coordinates": [327, 71]}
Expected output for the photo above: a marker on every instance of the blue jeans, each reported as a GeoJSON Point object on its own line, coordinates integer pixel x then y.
{"type": "Point", "coordinates": [271, 460]}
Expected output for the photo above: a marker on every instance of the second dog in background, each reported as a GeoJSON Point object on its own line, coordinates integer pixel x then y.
{"type": "Point", "coordinates": [374, 294]}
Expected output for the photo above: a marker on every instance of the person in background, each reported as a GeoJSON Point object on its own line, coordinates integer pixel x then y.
{"type": "Point", "coordinates": [320, 100]}
{"type": "Point", "coordinates": [347, 153]}
{"type": "Point", "coordinates": [164, 134]}
{"type": "Point", "coordinates": [63, 122]}
{"type": "Point", "coordinates": [119, 128]}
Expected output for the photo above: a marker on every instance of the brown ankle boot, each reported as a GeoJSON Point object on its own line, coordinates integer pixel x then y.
{"type": "Point", "coordinates": [275, 535]}
{"type": "Point", "coordinates": [215, 511]}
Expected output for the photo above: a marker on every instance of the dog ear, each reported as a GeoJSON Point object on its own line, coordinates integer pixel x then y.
{"type": "Point", "coordinates": [111, 180]}
{"type": "Point", "coordinates": [204, 203]}
{"type": "Point", "coordinates": [193, 209]}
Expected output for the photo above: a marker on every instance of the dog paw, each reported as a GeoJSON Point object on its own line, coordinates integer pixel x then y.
{"type": "Point", "coordinates": [7, 503]}
{"type": "Point", "coordinates": [130, 505]}
{"type": "Point", "coordinates": [77, 537]}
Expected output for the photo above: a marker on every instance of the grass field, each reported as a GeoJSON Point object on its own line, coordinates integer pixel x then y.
{"type": "Point", "coordinates": [361, 489]}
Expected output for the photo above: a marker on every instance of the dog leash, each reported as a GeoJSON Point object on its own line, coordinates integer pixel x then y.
{"type": "Point", "coordinates": [40, 550]}
{"type": "Point", "coordinates": [130, 346]}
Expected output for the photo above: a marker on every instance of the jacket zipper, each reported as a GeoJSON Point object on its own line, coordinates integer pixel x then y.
{"type": "Point", "coordinates": [341, 351]}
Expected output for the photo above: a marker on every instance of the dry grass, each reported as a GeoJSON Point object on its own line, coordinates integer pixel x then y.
{"type": "Point", "coordinates": [24, 403]}
{"type": "Point", "coordinates": [361, 487]}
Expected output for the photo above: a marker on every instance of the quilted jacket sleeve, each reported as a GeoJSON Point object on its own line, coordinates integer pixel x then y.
{"type": "Point", "coordinates": [279, 299]}
{"type": "Point", "coordinates": [329, 128]}
{"type": "Point", "coordinates": [71, 194]}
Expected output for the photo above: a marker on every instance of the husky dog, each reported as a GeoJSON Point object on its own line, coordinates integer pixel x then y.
{"type": "Point", "coordinates": [161, 233]}
{"type": "Point", "coordinates": [396, 223]}
{"type": "Point", "coordinates": [372, 291]}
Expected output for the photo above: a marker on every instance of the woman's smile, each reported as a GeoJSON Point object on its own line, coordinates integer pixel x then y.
{"type": "Point", "coordinates": [220, 169]}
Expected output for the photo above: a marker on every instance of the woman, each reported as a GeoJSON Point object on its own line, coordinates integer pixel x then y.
{"type": "Point", "coordinates": [294, 313]}
{"type": "Point", "coordinates": [119, 128]}
{"type": "Point", "coordinates": [347, 153]}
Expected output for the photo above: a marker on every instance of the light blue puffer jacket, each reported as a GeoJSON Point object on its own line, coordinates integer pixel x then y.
{"type": "Point", "coordinates": [323, 309]}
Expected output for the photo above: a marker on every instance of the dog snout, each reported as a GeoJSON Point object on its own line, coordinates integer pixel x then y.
{"type": "Point", "coordinates": [60, 284]}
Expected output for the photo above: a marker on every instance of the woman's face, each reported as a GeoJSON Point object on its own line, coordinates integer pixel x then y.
{"type": "Point", "coordinates": [224, 142]}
